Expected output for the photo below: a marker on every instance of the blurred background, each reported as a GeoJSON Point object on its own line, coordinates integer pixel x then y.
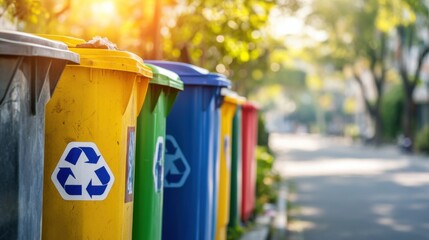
{"type": "Point", "coordinates": [333, 78]}
{"type": "Point", "coordinates": [338, 67]}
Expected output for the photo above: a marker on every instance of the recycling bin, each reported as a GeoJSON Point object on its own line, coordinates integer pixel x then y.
{"type": "Point", "coordinates": [249, 140]}
{"type": "Point", "coordinates": [228, 108]}
{"type": "Point", "coordinates": [150, 145]}
{"type": "Point", "coordinates": [90, 144]}
{"type": "Point", "coordinates": [30, 67]}
{"type": "Point", "coordinates": [191, 154]}
{"type": "Point", "coordinates": [236, 174]}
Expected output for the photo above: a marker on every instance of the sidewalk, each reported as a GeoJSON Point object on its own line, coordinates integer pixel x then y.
{"type": "Point", "coordinates": [272, 226]}
{"type": "Point", "coordinates": [344, 191]}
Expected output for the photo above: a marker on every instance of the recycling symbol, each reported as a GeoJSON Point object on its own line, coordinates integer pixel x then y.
{"type": "Point", "coordinates": [82, 173]}
{"type": "Point", "coordinates": [157, 170]}
{"type": "Point", "coordinates": [176, 166]}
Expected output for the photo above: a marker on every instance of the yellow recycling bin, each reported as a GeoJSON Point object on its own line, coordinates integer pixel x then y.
{"type": "Point", "coordinates": [228, 108]}
{"type": "Point", "coordinates": [90, 145]}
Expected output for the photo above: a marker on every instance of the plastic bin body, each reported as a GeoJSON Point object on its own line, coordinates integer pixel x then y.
{"type": "Point", "coordinates": [149, 178]}
{"type": "Point", "coordinates": [30, 67]}
{"type": "Point", "coordinates": [249, 139]}
{"type": "Point", "coordinates": [191, 152]}
{"type": "Point", "coordinates": [95, 106]}
{"type": "Point", "coordinates": [236, 173]}
{"type": "Point", "coordinates": [229, 106]}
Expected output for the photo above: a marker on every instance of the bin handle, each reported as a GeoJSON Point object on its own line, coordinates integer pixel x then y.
{"type": "Point", "coordinates": [40, 68]}
{"type": "Point", "coordinates": [55, 73]}
{"type": "Point", "coordinates": [142, 84]}
{"type": "Point", "coordinates": [171, 95]}
{"type": "Point", "coordinates": [155, 94]}
{"type": "Point", "coordinates": [12, 73]}
{"type": "Point", "coordinates": [208, 96]}
{"type": "Point", "coordinates": [219, 100]}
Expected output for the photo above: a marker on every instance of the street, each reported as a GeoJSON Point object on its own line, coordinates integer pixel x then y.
{"type": "Point", "coordinates": [340, 190]}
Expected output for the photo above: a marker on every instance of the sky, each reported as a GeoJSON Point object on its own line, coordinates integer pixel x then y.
{"type": "Point", "coordinates": [292, 28]}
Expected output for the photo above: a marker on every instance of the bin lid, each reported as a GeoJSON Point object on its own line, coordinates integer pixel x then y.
{"type": "Point", "coordinates": [251, 106]}
{"type": "Point", "coordinates": [193, 75]}
{"type": "Point", "coordinates": [110, 59]}
{"type": "Point", "coordinates": [165, 77]}
{"type": "Point", "coordinates": [24, 44]}
{"type": "Point", "coordinates": [232, 97]}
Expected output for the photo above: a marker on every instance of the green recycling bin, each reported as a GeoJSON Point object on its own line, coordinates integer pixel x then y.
{"type": "Point", "coordinates": [150, 145]}
{"type": "Point", "coordinates": [235, 187]}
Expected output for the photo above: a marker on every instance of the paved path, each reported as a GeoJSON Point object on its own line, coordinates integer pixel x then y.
{"type": "Point", "coordinates": [353, 192]}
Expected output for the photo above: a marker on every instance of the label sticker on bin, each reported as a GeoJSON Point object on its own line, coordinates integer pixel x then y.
{"type": "Point", "coordinates": [158, 171]}
{"type": "Point", "coordinates": [129, 168]}
{"type": "Point", "coordinates": [176, 166]}
{"type": "Point", "coordinates": [82, 173]}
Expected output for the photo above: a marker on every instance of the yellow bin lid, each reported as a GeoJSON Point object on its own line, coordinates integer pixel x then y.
{"type": "Point", "coordinates": [104, 58]}
{"type": "Point", "coordinates": [232, 97]}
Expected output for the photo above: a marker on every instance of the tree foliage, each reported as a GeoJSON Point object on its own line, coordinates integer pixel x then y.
{"type": "Point", "coordinates": [354, 43]}
{"type": "Point", "coordinates": [413, 47]}
{"type": "Point", "coordinates": [16, 11]}
{"type": "Point", "coordinates": [227, 37]}
{"type": "Point", "coordinates": [376, 36]}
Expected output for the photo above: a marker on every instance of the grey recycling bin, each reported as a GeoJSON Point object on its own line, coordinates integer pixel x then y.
{"type": "Point", "coordinates": [30, 68]}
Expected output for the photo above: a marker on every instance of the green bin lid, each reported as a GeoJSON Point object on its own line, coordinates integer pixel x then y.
{"type": "Point", "coordinates": [162, 76]}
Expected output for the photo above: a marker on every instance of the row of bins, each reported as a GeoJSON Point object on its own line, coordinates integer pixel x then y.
{"type": "Point", "coordinates": [97, 144]}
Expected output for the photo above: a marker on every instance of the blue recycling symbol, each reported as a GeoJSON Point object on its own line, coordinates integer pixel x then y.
{"type": "Point", "coordinates": [77, 179]}
{"type": "Point", "coordinates": [158, 174]}
{"type": "Point", "coordinates": [177, 168]}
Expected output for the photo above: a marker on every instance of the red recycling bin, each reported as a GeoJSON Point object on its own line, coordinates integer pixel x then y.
{"type": "Point", "coordinates": [249, 139]}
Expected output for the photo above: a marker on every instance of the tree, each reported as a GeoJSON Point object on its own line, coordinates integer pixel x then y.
{"type": "Point", "coordinates": [355, 43]}
{"type": "Point", "coordinates": [17, 11]}
{"type": "Point", "coordinates": [133, 25]}
{"type": "Point", "coordinates": [412, 38]}
{"type": "Point", "coordinates": [227, 37]}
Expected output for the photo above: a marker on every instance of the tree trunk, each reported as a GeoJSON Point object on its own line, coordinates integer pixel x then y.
{"type": "Point", "coordinates": [157, 45]}
{"type": "Point", "coordinates": [373, 110]}
{"type": "Point", "coordinates": [409, 116]}
{"type": "Point", "coordinates": [409, 83]}
{"type": "Point", "coordinates": [184, 55]}
{"type": "Point", "coordinates": [378, 123]}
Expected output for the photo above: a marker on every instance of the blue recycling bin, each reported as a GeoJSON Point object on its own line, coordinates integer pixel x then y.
{"type": "Point", "coordinates": [191, 154]}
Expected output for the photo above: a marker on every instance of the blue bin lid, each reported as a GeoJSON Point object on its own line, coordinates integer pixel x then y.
{"type": "Point", "coordinates": [193, 75]}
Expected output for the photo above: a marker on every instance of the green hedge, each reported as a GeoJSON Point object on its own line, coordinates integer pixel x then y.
{"type": "Point", "coordinates": [266, 179]}
{"type": "Point", "coordinates": [422, 140]}
{"type": "Point", "coordinates": [391, 112]}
